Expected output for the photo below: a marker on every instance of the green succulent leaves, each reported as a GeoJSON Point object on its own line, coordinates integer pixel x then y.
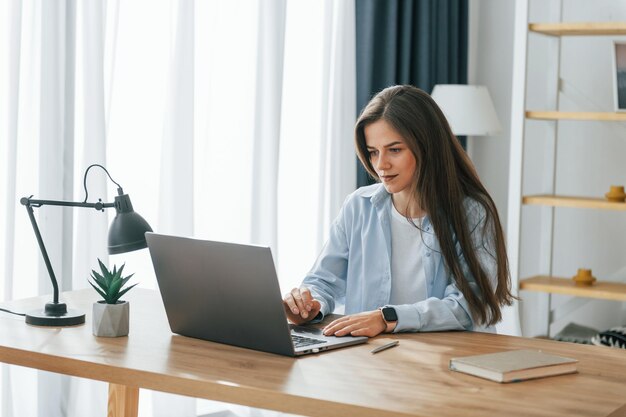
{"type": "Point", "coordinates": [110, 284]}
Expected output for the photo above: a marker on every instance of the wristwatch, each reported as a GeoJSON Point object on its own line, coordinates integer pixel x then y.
{"type": "Point", "coordinates": [390, 317]}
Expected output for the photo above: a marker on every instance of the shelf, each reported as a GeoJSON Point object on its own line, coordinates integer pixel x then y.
{"type": "Point", "coordinates": [579, 29]}
{"type": "Point", "coordinates": [601, 289]}
{"type": "Point", "coordinates": [571, 115]}
{"type": "Point", "coordinates": [576, 202]}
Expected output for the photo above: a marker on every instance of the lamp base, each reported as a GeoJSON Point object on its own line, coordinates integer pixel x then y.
{"type": "Point", "coordinates": [55, 314]}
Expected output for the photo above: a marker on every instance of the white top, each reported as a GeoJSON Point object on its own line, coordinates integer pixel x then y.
{"type": "Point", "coordinates": [408, 280]}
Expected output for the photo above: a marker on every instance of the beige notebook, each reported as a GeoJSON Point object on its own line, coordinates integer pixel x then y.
{"type": "Point", "coordinates": [514, 365]}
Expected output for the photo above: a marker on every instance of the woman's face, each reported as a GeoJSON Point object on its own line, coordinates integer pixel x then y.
{"type": "Point", "coordinates": [391, 158]}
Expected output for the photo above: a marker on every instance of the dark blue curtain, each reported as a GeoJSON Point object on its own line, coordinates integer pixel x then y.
{"type": "Point", "coordinates": [418, 42]}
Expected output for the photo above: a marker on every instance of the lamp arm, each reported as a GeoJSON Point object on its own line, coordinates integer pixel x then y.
{"type": "Point", "coordinates": [100, 206]}
{"type": "Point", "coordinates": [30, 203]}
{"type": "Point", "coordinates": [44, 253]}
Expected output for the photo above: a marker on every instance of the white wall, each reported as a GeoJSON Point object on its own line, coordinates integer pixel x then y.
{"type": "Point", "coordinates": [491, 64]}
{"type": "Point", "coordinates": [589, 154]}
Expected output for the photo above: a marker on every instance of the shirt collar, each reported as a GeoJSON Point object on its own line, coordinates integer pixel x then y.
{"type": "Point", "coordinates": [376, 193]}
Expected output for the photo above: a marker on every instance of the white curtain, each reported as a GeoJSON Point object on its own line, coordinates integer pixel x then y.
{"type": "Point", "coordinates": [227, 120]}
{"type": "Point", "coordinates": [339, 116]}
{"type": "Point", "coordinates": [268, 101]}
{"type": "Point", "coordinates": [10, 54]}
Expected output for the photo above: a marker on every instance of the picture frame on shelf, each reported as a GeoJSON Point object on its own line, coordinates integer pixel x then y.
{"type": "Point", "coordinates": [619, 76]}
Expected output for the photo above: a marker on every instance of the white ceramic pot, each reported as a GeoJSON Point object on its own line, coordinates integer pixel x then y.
{"type": "Point", "coordinates": [110, 320]}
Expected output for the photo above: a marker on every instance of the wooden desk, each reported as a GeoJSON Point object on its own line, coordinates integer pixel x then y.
{"type": "Point", "coordinates": [410, 380]}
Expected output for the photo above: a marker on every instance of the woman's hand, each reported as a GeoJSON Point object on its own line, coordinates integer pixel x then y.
{"type": "Point", "coordinates": [368, 323]}
{"type": "Point", "coordinates": [300, 306]}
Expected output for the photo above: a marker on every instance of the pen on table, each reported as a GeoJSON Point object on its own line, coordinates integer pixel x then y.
{"type": "Point", "coordinates": [387, 346]}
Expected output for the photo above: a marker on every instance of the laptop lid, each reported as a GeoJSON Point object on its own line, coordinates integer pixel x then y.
{"type": "Point", "coordinates": [227, 293]}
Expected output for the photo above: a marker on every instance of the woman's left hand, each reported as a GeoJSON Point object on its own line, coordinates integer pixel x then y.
{"type": "Point", "coordinates": [368, 323]}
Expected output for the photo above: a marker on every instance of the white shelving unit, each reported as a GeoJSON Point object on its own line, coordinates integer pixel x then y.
{"type": "Point", "coordinates": [546, 282]}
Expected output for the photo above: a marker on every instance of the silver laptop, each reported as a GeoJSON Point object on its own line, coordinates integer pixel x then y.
{"type": "Point", "coordinates": [229, 293]}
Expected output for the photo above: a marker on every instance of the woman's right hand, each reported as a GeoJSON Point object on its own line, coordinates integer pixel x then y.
{"type": "Point", "coordinates": [300, 306]}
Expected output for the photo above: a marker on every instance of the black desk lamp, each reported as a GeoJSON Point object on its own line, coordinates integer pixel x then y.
{"type": "Point", "coordinates": [126, 234]}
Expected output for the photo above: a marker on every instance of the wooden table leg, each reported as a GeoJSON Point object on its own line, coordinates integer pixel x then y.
{"type": "Point", "coordinates": [123, 401]}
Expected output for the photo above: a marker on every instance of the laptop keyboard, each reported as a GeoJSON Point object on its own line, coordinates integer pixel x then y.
{"type": "Point", "coordinates": [301, 341]}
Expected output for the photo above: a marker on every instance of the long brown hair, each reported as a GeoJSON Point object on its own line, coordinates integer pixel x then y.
{"type": "Point", "coordinates": [444, 178]}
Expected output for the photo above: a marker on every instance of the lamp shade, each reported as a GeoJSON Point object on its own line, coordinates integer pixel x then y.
{"type": "Point", "coordinates": [468, 108]}
{"type": "Point", "coordinates": [127, 231]}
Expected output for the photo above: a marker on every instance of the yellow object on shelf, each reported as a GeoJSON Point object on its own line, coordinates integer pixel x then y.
{"type": "Point", "coordinates": [616, 194]}
{"type": "Point", "coordinates": [584, 277]}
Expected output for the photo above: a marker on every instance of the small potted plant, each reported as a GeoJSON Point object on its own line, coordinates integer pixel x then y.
{"type": "Point", "coordinates": [110, 315]}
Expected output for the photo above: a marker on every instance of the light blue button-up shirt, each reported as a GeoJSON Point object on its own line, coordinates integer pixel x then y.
{"type": "Point", "coordinates": [355, 266]}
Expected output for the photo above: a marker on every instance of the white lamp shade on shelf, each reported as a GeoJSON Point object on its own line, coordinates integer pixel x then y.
{"type": "Point", "coordinates": [468, 108]}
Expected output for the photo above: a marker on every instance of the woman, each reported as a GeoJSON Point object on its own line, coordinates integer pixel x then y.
{"type": "Point", "coordinates": [421, 251]}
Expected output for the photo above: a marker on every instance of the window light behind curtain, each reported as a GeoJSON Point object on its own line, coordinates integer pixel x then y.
{"type": "Point", "coordinates": [166, 95]}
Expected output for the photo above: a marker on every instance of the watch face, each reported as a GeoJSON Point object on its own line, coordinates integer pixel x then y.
{"type": "Point", "coordinates": [389, 313]}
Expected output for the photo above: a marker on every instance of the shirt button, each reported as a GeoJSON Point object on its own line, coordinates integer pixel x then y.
{"type": "Point", "coordinates": [428, 254]}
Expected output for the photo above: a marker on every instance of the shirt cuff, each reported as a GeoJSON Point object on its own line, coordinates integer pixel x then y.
{"type": "Point", "coordinates": [324, 309]}
{"type": "Point", "coordinates": [409, 319]}
{"type": "Point", "coordinates": [322, 313]}
{"type": "Point", "coordinates": [318, 318]}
